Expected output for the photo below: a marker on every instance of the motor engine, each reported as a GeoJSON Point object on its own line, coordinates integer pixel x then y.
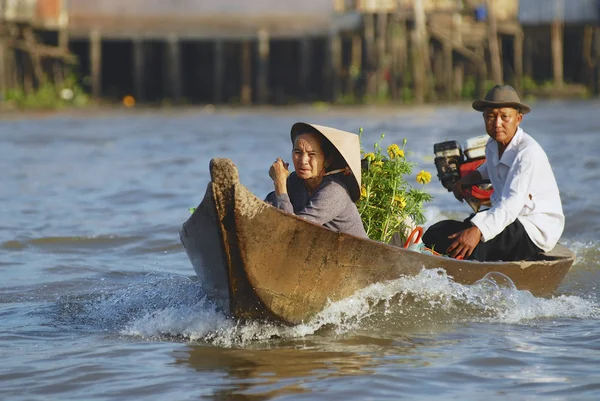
{"type": "Point", "coordinates": [452, 163]}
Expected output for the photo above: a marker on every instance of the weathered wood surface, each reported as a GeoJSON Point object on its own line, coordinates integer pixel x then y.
{"type": "Point", "coordinates": [267, 264]}
{"type": "Point", "coordinates": [206, 18]}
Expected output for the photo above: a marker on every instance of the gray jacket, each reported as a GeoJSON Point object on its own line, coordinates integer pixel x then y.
{"type": "Point", "coordinates": [330, 205]}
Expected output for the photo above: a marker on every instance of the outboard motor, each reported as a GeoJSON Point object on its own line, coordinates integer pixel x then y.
{"type": "Point", "coordinates": [452, 164]}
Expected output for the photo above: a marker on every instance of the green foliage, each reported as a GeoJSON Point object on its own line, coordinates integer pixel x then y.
{"type": "Point", "coordinates": [388, 202]}
{"type": "Point", "coordinates": [49, 96]}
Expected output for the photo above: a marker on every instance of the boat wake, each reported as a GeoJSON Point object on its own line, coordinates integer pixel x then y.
{"type": "Point", "coordinates": [165, 307]}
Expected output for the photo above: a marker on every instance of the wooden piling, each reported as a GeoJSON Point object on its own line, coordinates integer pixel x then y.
{"type": "Point", "coordinates": [420, 53]}
{"type": "Point", "coordinates": [495, 60]}
{"type": "Point", "coordinates": [448, 70]}
{"type": "Point", "coordinates": [355, 68]}
{"type": "Point", "coordinates": [333, 66]}
{"type": "Point", "coordinates": [96, 63]}
{"type": "Point", "coordinates": [557, 52]}
{"type": "Point", "coordinates": [262, 81]}
{"type": "Point", "coordinates": [138, 69]}
{"type": "Point", "coordinates": [246, 90]}
{"type": "Point", "coordinates": [382, 56]}
{"type": "Point", "coordinates": [305, 66]}
{"type": "Point", "coordinates": [218, 66]}
{"type": "Point", "coordinates": [174, 76]}
{"type": "Point", "coordinates": [370, 62]}
{"type": "Point", "coordinates": [518, 61]}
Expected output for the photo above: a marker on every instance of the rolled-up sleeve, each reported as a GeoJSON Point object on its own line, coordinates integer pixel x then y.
{"type": "Point", "coordinates": [483, 171]}
{"type": "Point", "coordinates": [512, 200]}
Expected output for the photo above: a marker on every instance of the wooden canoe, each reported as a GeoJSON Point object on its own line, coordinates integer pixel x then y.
{"type": "Point", "coordinates": [261, 263]}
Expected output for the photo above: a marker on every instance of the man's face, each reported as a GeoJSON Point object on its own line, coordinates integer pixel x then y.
{"type": "Point", "coordinates": [501, 124]}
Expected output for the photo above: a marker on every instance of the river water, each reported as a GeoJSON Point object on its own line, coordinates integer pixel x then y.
{"type": "Point", "coordinates": [98, 300]}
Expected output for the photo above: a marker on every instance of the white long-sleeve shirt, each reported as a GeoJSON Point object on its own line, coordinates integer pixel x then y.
{"type": "Point", "coordinates": [524, 189]}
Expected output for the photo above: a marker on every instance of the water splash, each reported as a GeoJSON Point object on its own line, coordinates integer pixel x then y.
{"type": "Point", "coordinates": [170, 307]}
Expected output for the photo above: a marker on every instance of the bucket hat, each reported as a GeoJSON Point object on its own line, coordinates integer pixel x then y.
{"type": "Point", "coordinates": [346, 143]}
{"type": "Point", "coordinates": [501, 96]}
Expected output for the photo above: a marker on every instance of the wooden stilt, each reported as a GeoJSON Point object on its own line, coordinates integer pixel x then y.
{"type": "Point", "coordinates": [448, 70]}
{"type": "Point", "coordinates": [335, 64]}
{"type": "Point", "coordinates": [518, 60]}
{"type": "Point", "coordinates": [138, 70]}
{"type": "Point", "coordinates": [3, 69]}
{"type": "Point", "coordinates": [495, 60]}
{"type": "Point", "coordinates": [597, 55]}
{"type": "Point", "coordinates": [557, 52]}
{"type": "Point", "coordinates": [218, 72]}
{"type": "Point", "coordinates": [262, 84]}
{"type": "Point", "coordinates": [96, 63]}
{"type": "Point", "coordinates": [382, 64]}
{"type": "Point", "coordinates": [355, 66]}
{"type": "Point", "coordinates": [458, 78]}
{"type": "Point", "coordinates": [174, 68]}
{"type": "Point", "coordinates": [419, 59]}
{"type": "Point", "coordinates": [246, 92]}
{"type": "Point", "coordinates": [305, 67]}
{"type": "Point", "coordinates": [528, 52]}
{"type": "Point", "coordinates": [370, 67]}
{"type": "Point", "coordinates": [481, 88]}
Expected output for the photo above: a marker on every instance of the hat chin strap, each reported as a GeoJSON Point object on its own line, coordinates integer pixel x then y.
{"type": "Point", "coordinates": [345, 170]}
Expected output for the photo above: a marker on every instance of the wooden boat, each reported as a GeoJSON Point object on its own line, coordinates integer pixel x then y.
{"type": "Point", "coordinates": [261, 263]}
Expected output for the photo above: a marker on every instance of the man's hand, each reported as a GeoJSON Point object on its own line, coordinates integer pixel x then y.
{"type": "Point", "coordinates": [465, 243]}
{"type": "Point", "coordinates": [457, 190]}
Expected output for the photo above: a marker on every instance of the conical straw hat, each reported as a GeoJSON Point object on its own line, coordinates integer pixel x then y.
{"type": "Point", "coordinates": [346, 143]}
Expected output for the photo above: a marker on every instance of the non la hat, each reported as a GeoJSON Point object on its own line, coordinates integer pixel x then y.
{"type": "Point", "coordinates": [501, 96]}
{"type": "Point", "coordinates": [346, 143]}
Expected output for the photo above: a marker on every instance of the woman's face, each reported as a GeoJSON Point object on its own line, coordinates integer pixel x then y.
{"type": "Point", "coordinates": [308, 156]}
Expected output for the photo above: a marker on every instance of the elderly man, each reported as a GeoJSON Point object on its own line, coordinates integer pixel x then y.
{"type": "Point", "coordinates": [526, 215]}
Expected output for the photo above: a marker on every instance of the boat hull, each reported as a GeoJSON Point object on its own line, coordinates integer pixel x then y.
{"type": "Point", "coordinates": [273, 265]}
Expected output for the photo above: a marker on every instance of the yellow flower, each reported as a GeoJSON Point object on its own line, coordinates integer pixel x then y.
{"type": "Point", "coordinates": [400, 200]}
{"type": "Point", "coordinates": [370, 156]}
{"type": "Point", "coordinates": [363, 192]}
{"type": "Point", "coordinates": [378, 163]}
{"type": "Point", "coordinates": [423, 177]}
{"type": "Point", "coordinates": [394, 150]}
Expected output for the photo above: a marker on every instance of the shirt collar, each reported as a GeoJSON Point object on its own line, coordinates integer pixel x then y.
{"type": "Point", "coordinates": [508, 157]}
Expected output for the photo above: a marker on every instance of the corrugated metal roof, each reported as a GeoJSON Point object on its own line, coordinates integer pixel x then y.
{"type": "Point", "coordinates": [533, 12]}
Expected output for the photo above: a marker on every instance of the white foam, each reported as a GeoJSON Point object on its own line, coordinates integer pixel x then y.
{"type": "Point", "coordinates": [174, 307]}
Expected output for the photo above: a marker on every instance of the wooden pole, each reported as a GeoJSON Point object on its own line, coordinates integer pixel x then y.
{"type": "Point", "coordinates": [448, 70]}
{"type": "Point", "coordinates": [218, 72]}
{"type": "Point", "coordinates": [381, 54]}
{"type": "Point", "coordinates": [335, 64]}
{"type": "Point", "coordinates": [246, 92]}
{"type": "Point", "coordinates": [262, 84]}
{"type": "Point", "coordinates": [369, 27]}
{"type": "Point", "coordinates": [495, 61]}
{"type": "Point", "coordinates": [96, 63]}
{"type": "Point", "coordinates": [174, 68]}
{"type": "Point", "coordinates": [528, 52]}
{"type": "Point", "coordinates": [421, 62]}
{"type": "Point", "coordinates": [597, 54]}
{"type": "Point", "coordinates": [305, 65]}
{"type": "Point", "coordinates": [557, 52]}
{"type": "Point", "coordinates": [138, 69]}
{"type": "Point", "coordinates": [3, 70]}
{"type": "Point", "coordinates": [518, 57]}
{"type": "Point", "coordinates": [355, 65]}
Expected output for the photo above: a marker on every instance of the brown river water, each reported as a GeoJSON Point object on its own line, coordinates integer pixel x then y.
{"type": "Point", "coordinates": [98, 300]}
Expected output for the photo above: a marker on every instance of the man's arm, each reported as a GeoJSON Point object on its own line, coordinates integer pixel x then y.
{"type": "Point", "coordinates": [473, 178]}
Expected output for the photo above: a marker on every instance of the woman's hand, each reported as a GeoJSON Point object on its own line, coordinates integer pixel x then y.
{"type": "Point", "coordinates": [279, 174]}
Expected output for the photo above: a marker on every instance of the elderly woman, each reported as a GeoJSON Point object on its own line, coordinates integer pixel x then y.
{"type": "Point", "coordinates": [326, 182]}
